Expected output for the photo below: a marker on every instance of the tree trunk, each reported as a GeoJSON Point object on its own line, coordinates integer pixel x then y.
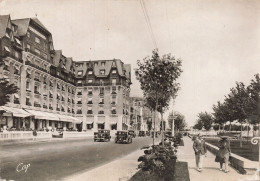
{"type": "Point", "coordinates": [156, 103]}
{"type": "Point", "coordinates": [162, 129]}
{"type": "Point", "coordinates": [241, 136]}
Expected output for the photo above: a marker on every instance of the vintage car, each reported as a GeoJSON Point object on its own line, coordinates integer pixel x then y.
{"type": "Point", "coordinates": [132, 133]}
{"type": "Point", "coordinates": [141, 133]}
{"type": "Point", "coordinates": [102, 135]}
{"type": "Point", "coordinates": [123, 137]}
{"type": "Point", "coordinates": [57, 134]}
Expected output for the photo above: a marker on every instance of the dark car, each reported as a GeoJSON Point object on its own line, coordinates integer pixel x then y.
{"type": "Point", "coordinates": [132, 133]}
{"type": "Point", "coordinates": [123, 137]}
{"type": "Point", "coordinates": [141, 133]}
{"type": "Point", "coordinates": [102, 135]}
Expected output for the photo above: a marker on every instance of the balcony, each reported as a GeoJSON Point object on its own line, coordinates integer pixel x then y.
{"type": "Point", "coordinates": [28, 104]}
{"type": "Point", "coordinates": [35, 66]}
{"type": "Point", "coordinates": [37, 105]}
{"type": "Point", "coordinates": [16, 101]}
{"type": "Point", "coordinates": [37, 55]}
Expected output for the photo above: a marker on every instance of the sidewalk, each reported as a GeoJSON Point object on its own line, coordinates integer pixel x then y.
{"type": "Point", "coordinates": [211, 170]}
{"type": "Point", "coordinates": [121, 169]}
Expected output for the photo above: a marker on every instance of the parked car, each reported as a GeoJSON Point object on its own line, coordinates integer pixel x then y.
{"type": "Point", "coordinates": [141, 133]}
{"type": "Point", "coordinates": [57, 134]}
{"type": "Point", "coordinates": [123, 137]}
{"type": "Point", "coordinates": [102, 135]}
{"type": "Point", "coordinates": [132, 133]}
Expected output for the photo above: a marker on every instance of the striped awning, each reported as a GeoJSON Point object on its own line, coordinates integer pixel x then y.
{"type": "Point", "coordinates": [16, 111]}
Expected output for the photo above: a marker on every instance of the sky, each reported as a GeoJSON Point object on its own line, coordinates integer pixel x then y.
{"type": "Point", "coordinates": [218, 41]}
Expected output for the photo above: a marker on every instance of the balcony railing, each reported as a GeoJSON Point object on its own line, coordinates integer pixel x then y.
{"type": "Point", "coordinates": [34, 53]}
{"type": "Point", "coordinates": [35, 66]}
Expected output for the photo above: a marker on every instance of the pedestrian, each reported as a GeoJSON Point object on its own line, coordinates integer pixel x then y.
{"type": "Point", "coordinates": [199, 147]}
{"type": "Point", "coordinates": [223, 153]}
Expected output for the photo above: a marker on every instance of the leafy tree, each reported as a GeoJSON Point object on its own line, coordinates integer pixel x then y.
{"type": "Point", "coordinates": [6, 90]}
{"type": "Point", "coordinates": [198, 125]}
{"type": "Point", "coordinates": [157, 76]}
{"type": "Point", "coordinates": [206, 119]}
{"type": "Point", "coordinates": [179, 121]}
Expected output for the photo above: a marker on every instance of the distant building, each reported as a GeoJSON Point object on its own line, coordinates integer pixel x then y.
{"type": "Point", "coordinates": [54, 90]}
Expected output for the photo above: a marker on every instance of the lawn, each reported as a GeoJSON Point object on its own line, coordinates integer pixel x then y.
{"type": "Point", "coordinates": [248, 150]}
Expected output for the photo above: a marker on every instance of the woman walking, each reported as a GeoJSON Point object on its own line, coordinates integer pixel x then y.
{"type": "Point", "coordinates": [223, 153]}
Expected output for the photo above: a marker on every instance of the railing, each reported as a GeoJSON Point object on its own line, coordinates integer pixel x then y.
{"type": "Point", "coordinates": [35, 66]}
{"type": "Point", "coordinates": [67, 134]}
{"type": "Point", "coordinates": [37, 55]}
{"type": "Point", "coordinates": [16, 135]}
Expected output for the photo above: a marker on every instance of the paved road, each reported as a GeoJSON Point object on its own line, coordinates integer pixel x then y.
{"type": "Point", "coordinates": [53, 160]}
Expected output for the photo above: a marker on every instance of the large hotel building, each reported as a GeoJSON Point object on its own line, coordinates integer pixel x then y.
{"type": "Point", "coordinates": [54, 90]}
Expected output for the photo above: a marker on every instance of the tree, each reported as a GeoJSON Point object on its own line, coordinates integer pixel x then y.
{"type": "Point", "coordinates": [198, 125]}
{"type": "Point", "coordinates": [157, 76]}
{"type": "Point", "coordinates": [6, 90]}
{"type": "Point", "coordinates": [179, 121]}
{"type": "Point", "coordinates": [206, 119]}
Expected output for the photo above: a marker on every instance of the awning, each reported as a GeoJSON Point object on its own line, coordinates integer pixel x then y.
{"type": "Point", "coordinates": [64, 118]}
{"type": "Point", "coordinates": [52, 116]}
{"type": "Point", "coordinates": [38, 114]}
{"type": "Point", "coordinates": [17, 112]}
{"type": "Point", "coordinates": [74, 120]}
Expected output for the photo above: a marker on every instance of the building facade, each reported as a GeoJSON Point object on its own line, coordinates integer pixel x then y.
{"type": "Point", "coordinates": [54, 90]}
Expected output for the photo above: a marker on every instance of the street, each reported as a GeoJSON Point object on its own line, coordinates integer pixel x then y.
{"type": "Point", "coordinates": [54, 160]}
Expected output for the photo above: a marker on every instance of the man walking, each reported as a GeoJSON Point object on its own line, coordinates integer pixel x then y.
{"type": "Point", "coordinates": [199, 147]}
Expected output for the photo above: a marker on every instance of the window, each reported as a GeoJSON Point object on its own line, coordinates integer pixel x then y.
{"type": "Point", "coordinates": [37, 51]}
{"type": "Point", "coordinates": [7, 49]}
{"type": "Point", "coordinates": [79, 101]}
{"type": "Point", "coordinates": [28, 85]}
{"type": "Point", "coordinates": [102, 72]}
{"type": "Point", "coordinates": [79, 111]}
{"type": "Point", "coordinates": [102, 91]}
{"type": "Point", "coordinates": [79, 92]}
{"type": "Point", "coordinates": [103, 64]}
{"type": "Point", "coordinates": [79, 82]}
{"type": "Point", "coordinates": [16, 54]}
{"type": "Point", "coordinates": [80, 72]}
{"type": "Point", "coordinates": [101, 101]}
{"type": "Point", "coordinates": [90, 81]}
{"type": "Point", "coordinates": [113, 81]}
{"type": "Point", "coordinates": [90, 72]}
{"type": "Point", "coordinates": [37, 40]}
{"type": "Point", "coordinates": [113, 71]}
{"type": "Point", "coordinates": [89, 110]}
{"type": "Point", "coordinates": [101, 82]}
{"type": "Point", "coordinates": [90, 91]}
{"type": "Point", "coordinates": [96, 64]}
{"type": "Point", "coordinates": [101, 111]}
{"type": "Point", "coordinates": [89, 101]}
{"type": "Point", "coordinates": [28, 47]}
{"type": "Point", "coordinates": [28, 34]}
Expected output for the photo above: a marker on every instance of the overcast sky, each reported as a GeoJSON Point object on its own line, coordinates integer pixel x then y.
{"type": "Point", "coordinates": [218, 41]}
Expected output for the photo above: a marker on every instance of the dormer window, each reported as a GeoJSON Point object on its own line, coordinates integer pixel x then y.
{"type": "Point", "coordinates": [80, 72]}
{"type": "Point", "coordinates": [90, 72]}
{"type": "Point", "coordinates": [102, 72]}
{"type": "Point", "coordinates": [113, 71]}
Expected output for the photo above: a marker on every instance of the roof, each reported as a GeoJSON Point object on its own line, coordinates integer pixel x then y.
{"type": "Point", "coordinates": [3, 24]}
{"type": "Point", "coordinates": [23, 25]}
